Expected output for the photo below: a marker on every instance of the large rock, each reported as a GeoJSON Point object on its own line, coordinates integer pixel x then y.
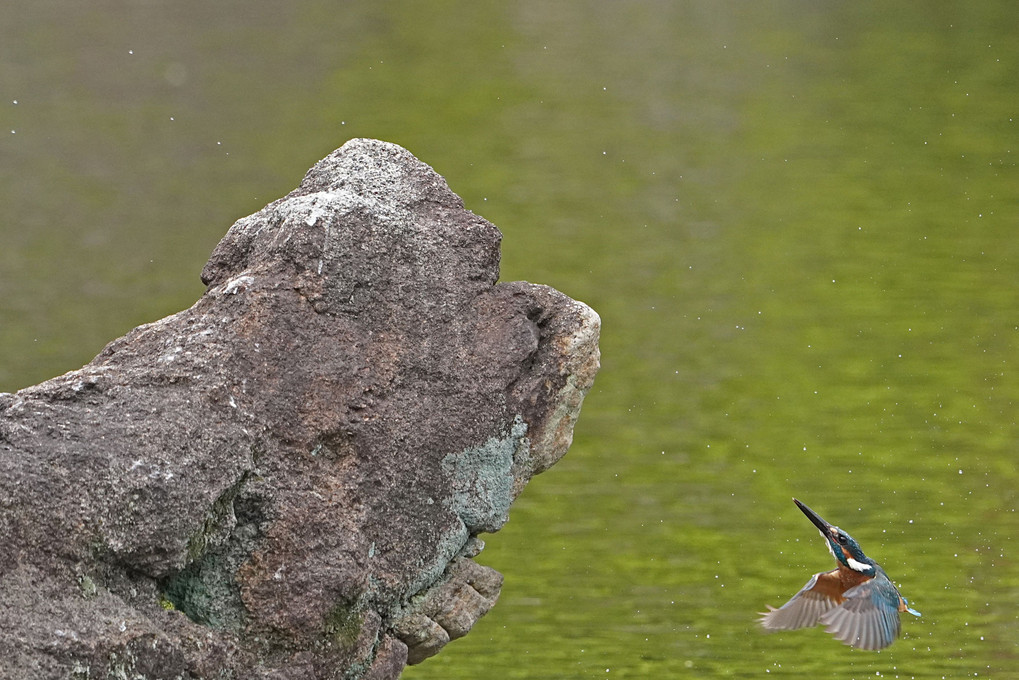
{"type": "Point", "coordinates": [287, 480]}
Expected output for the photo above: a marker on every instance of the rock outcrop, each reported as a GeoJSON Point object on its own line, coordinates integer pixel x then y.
{"type": "Point", "coordinates": [288, 479]}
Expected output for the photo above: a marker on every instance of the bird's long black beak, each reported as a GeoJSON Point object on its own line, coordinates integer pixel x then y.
{"type": "Point", "coordinates": [822, 526]}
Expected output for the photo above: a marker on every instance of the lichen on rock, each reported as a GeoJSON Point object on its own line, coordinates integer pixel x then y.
{"type": "Point", "coordinates": [288, 479]}
{"type": "Point", "coordinates": [482, 479]}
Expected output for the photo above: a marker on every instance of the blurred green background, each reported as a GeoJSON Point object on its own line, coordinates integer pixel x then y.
{"type": "Point", "coordinates": [796, 219]}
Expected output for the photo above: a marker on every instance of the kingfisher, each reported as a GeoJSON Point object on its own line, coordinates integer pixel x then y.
{"type": "Point", "coordinates": [856, 602]}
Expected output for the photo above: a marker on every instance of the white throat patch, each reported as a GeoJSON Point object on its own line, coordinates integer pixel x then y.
{"type": "Point", "coordinates": [858, 566]}
{"type": "Point", "coordinates": [827, 544]}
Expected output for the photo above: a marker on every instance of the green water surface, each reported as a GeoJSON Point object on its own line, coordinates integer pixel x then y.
{"type": "Point", "coordinates": [797, 220]}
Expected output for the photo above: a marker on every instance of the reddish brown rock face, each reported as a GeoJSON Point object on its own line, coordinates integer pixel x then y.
{"type": "Point", "coordinates": [287, 480]}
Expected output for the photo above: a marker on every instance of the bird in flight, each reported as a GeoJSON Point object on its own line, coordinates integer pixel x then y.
{"type": "Point", "coordinates": [856, 602]}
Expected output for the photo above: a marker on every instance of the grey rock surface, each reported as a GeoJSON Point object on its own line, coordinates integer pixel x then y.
{"type": "Point", "coordinates": [287, 480]}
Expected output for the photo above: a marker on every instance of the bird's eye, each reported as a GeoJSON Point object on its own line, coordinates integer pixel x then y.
{"type": "Point", "coordinates": [841, 538]}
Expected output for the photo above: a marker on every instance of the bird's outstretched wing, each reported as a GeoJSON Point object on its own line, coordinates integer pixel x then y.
{"type": "Point", "coordinates": [807, 607]}
{"type": "Point", "coordinates": [869, 618]}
